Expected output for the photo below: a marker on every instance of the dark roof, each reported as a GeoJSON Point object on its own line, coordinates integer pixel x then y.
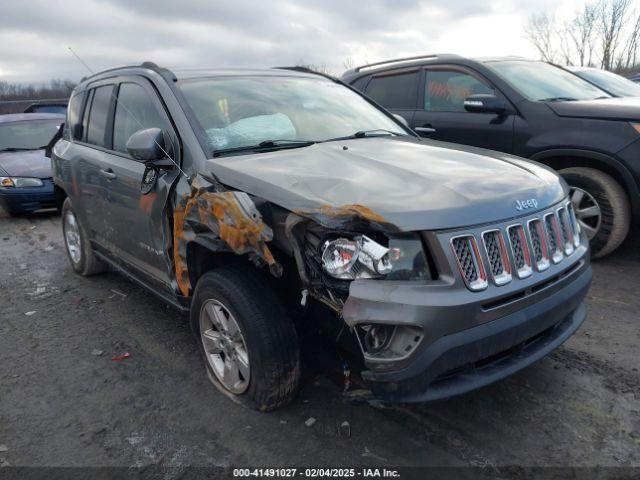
{"type": "Point", "coordinates": [25, 117]}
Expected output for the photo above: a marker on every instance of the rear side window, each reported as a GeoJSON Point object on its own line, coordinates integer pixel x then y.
{"type": "Point", "coordinates": [135, 110]}
{"type": "Point", "coordinates": [98, 114]}
{"type": "Point", "coordinates": [395, 91]}
{"type": "Point", "coordinates": [446, 90]}
{"type": "Point", "coordinates": [73, 116]}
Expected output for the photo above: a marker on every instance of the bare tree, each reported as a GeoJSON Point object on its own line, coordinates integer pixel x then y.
{"type": "Point", "coordinates": [612, 16]}
{"type": "Point", "coordinates": [582, 32]}
{"type": "Point", "coordinates": [541, 32]}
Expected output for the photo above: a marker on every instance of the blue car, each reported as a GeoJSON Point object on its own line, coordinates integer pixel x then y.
{"type": "Point", "coordinates": [25, 172]}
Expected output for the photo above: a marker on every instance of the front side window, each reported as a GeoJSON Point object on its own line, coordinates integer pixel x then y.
{"type": "Point", "coordinates": [398, 91]}
{"type": "Point", "coordinates": [135, 110]}
{"type": "Point", "coordinates": [238, 112]}
{"type": "Point", "coordinates": [446, 90]}
{"type": "Point", "coordinates": [98, 114]}
{"type": "Point", "coordinates": [542, 82]}
{"type": "Point", "coordinates": [27, 135]}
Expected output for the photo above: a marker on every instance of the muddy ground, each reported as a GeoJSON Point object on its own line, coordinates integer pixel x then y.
{"type": "Point", "coordinates": [64, 402]}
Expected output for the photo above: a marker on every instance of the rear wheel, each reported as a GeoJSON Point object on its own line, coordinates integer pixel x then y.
{"type": "Point", "coordinates": [249, 344]}
{"type": "Point", "coordinates": [77, 245]}
{"type": "Point", "coordinates": [601, 206]}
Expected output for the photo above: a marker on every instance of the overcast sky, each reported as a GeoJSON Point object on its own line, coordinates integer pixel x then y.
{"type": "Point", "coordinates": [35, 34]}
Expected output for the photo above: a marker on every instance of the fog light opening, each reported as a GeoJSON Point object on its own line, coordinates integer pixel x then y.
{"type": "Point", "coordinates": [376, 337]}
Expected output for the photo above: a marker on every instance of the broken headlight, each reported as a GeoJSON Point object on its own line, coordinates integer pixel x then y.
{"type": "Point", "coordinates": [362, 257]}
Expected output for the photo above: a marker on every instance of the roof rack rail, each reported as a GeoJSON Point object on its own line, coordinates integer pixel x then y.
{"type": "Point", "coordinates": [395, 60]}
{"type": "Point", "coordinates": [302, 69]}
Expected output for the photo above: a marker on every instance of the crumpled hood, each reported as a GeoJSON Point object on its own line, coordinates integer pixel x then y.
{"type": "Point", "coordinates": [627, 108]}
{"type": "Point", "coordinates": [412, 184]}
{"type": "Point", "coordinates": [28, 163]}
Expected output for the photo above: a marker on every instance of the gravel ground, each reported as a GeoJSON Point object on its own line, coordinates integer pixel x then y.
{"type": "Point", "coordinates": [65, 402]}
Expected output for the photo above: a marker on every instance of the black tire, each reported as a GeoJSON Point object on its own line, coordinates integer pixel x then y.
{"type": "Point", "coordinates": [615, 209]}
{"type": "Point", "coordinates": [269, 334]}
{"type": "Point", "coordinates": [88, 264]}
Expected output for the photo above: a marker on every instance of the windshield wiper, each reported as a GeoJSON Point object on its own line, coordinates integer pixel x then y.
{"type": "Point", "coordinates": [266, 145]}
{"type": "Point", "coordinates": [558, 99]}
{"type": "Point", "coordinates": [377, 132]}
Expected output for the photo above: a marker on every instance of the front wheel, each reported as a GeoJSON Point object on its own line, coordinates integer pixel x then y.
{"type": "Point", "coordinates": [601, 206]}
{"type": "Point", "coordinates": [249, 344]}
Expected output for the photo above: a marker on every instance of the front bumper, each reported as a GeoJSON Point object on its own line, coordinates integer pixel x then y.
{"type": "Point", "coordinates": [25, 200]}
{"type": "Point", "coordinates": [478, 356]}
{"type": "Point", "coordinates": [448, 339]}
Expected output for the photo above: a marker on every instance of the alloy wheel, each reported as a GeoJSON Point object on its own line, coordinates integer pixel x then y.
{"type": "Point", "coordinates": [587, 211]}
{"type": "Point", "coordinates": [224, 346]}
{"type": "Point", "coordinates": [72, 237]}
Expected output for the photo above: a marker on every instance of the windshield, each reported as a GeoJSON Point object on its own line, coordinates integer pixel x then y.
{"type": "Point", "coordinates": [238, 112]}
{"type": "Point", "coordinates": [612, 83]}
{"type": "Point", "coordinates": [539, 81]}
{"type": "Point", "coordinates": [30, 135]}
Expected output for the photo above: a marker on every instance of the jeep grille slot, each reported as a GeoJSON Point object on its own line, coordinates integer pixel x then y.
{"type": "Point", "coordinates": [469, 262]}
{"type": "Point", "coordinates": [553, 237]}
{"type": "Point", "coordinates": [566, 231]}
{"type": "Point", "coordinates": [497, 255]}
{"type": "Point", "coordinates": [575, 226]}
{"type": "Point", "coordinates": [538, 245]}
{"type": "Point", "coordinates": [520, 250]}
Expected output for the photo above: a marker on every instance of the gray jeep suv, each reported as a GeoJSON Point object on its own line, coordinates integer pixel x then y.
{"type": "Point", "coordinates": [252, 198]}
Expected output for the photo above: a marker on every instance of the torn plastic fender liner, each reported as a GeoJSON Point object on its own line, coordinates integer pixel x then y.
{"type": "Point", "coordinates": [230, 215]}
{"type": "Point", "coordinates": [347, 216]}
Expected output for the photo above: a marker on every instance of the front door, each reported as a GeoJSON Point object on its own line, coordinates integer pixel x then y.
{"type": "Point", "coordinates": [442, 115]}
{"type": "Point", "coordinates": [138, 229]}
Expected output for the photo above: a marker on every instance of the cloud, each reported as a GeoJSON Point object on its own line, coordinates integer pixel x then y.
{"type": "Point", "coordinates": [106, 33]}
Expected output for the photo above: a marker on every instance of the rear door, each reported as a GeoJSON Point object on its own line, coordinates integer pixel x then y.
{"type": "Point", "coordinates": [90, 182]}
{"type": "Point", "coordinates": [442, 115]}
{"type": "Point", "coordinates": [396, 90]}
{"type": "Point", "coordinates": [137, 234]}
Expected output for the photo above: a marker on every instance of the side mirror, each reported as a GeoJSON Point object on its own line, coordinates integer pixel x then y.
{"type": "Point", "coordinates": [484, 103]}
{"type": "Point", "coordinates": [146, 145]}
{"type": "Point", "coordinates": [401, 119]}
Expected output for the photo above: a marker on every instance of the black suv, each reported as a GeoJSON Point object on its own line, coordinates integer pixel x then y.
{"type": "Point", "coordinates": [527, 108]}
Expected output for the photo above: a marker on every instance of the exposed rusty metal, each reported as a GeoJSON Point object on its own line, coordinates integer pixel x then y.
{"type": "Point", "coordinates": [345, 215]}
{"type": "Point", "coordinates": [230, 215]}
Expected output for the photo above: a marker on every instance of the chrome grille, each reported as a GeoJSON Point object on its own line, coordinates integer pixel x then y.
{"type": "Point", "coordinates": [527, 245]}
{"type": "Point", "coordinates": [553, 237]}
{"type": "Point", "coordinates": [566, 230]}
{"type": "Point", "coordinates": [497, 255]}
{"type": "Point", "coordinates": [538, 245]}
{"type": "Point", "coordinates": [469, 262]}
{"type": "Point", "coordinates": [520, 250]}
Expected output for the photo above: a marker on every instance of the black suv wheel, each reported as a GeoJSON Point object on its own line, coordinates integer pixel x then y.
{"type": "Point", "coordinates": [249, 343]}
{"type": "Point", "coordinates": [601, 206]}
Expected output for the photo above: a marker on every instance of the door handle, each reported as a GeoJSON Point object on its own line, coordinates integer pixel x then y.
{"type": "Point", "coordinates": [108, 174]}
{"type": "Point", "coordinates": [428, 130]}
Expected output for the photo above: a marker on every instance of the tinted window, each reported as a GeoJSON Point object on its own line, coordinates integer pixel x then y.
{"type": "Point", "coordinates": [85, 117]}
{"type": "Point", "coordinates": [446, 90]}
{"type": "Point", "coordinates": [135, 111]}
{"type": "Point", "coordinates": [98, 115]}
{"type": "Point", "coordinates": [394, 91]}
{"type": "Point", "coordinates": [541, 81]}
{"type": "Point", "coordinates": [360, 83]}
{"type": "Point", "coordinates": [73, 114]}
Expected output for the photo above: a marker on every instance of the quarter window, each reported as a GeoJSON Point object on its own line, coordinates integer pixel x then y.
{"type": "Point", "coordinates": [395, 91]}
{"type": "Point", "coordinates": [446, 90]}
{"type": "Point", "coordinates": [135, 110]}
{"type": "Point", "coordinates": [73, 115]}
{"type": "Point", "coordinates": [98, 114]}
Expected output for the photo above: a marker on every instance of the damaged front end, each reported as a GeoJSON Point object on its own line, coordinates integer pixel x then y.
{"type": "Point", "coordinates": [331, 248]}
